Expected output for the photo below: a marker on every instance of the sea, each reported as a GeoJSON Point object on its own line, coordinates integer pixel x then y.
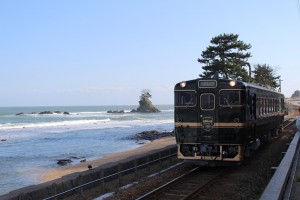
{"type": "Point", "coordinates": [31, 143]}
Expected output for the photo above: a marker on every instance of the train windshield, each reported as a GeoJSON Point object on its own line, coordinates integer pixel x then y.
{"type": "Point", "coordinates": [207, 101]}
{"type": "Point", "coordinates": [185, 98]}
{"type": "Point", "coordinates": [231, 98]}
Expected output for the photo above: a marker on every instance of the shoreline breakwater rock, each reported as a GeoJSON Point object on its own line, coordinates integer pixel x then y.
{"type": "Point", "coordinates": [46, 113]}
{"type": "Point", "coordinates": [121, 111]}
{"type": "Point", "coordinates": [152, 135]}
{"type": "Point", "coordinates": [116, 111]}
{"type": "Point", "coordinates": [63, 162]}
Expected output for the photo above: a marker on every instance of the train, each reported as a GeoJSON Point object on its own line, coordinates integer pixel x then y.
{"type": "Point", "coordinates": [223, 121]}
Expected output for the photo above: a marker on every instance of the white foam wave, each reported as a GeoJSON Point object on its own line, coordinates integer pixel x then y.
{"type": "Point", "coordinates": [100, 112]}
{"type": "Point", "coordinates": [84, 124]}
{"type": "Point", "coordinates": [51, 124]}
{"type": "Point", "coordinates": [168, 110]}
{"type": "Point", "coordinates": [33, 129]}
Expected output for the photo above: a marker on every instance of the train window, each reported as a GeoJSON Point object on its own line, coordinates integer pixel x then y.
{"type": "Point", "coordinates": [259, 106]}
{"type": "Point", "coordinates": [277, 105]}
{"type": "Point", "coordinates": [263, 104]}
{"type": "Point", "coordinates": [254, 106]}
{"type": "Point", "coordinates": [231, 98]}
{"type": "Point", "coordinates": [207, 101]}
{"type": "Point", "coordinates": [272, 105]}
{"type": "Point", "coordinates": [250, 105]}
{"type": "Point", "coordinates": [185, 98]}
{"type": "Point", "coordinates": [282, 104]}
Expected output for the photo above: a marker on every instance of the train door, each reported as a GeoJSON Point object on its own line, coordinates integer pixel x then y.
{"type": "Point", "coordinates": [208, 116]}
{"type": "Point", "coordinates": [251, 113]}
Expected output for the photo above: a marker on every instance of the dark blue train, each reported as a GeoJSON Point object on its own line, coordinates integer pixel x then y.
{"type": "Point", "coordinates": [224, 120]}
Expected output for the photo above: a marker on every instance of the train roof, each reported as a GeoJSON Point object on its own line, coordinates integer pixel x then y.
{"type": "Point", "coordinates": [246, 84]}
{"type": "Point", "coordinates": [260, 86]}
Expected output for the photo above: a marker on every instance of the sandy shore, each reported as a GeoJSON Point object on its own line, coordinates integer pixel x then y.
{"type": "Point", "coordinates": [110, 158]}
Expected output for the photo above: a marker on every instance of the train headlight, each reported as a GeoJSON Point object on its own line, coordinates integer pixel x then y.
{"type": "Point", "coordinates": [232, 83]}
{"type": "Point", "coordinates": [183, 84]}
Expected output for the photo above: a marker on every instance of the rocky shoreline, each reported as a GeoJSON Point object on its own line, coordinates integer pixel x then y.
{"type": "Point", "coordinates": [151, 135]}
{"type": "Point", "coordinates": [46, 113]}
{"type": "Point", "coordinates": [140, 138]}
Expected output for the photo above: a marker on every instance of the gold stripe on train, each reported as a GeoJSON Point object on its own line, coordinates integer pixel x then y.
{"type": "Point", "coordinates": [219, 125]}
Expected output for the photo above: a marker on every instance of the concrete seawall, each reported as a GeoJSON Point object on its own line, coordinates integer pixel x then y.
{"type": "Point", "coordinates": [70, 181]}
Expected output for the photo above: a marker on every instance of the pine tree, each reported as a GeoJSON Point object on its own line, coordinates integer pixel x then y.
{"type": "Point", "coordinates": [265, 74]}
{"type": "Point", "coordinates": [226, 56]}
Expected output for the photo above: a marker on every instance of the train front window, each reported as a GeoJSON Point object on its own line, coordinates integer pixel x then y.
{"type": "Point", "coordinates": [185, 98]}
{"type": "Point", "coordinates": [207, 101]}
{"type": "Point", "coordinates": [231, 98]}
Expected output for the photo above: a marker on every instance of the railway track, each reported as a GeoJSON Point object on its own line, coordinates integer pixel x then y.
{"type": "Point", "coordinates": [193, 182]}
{"type": "Point", "coordinates": [288, 122]}
{"type": "Point", "coordinates": [187, 185]}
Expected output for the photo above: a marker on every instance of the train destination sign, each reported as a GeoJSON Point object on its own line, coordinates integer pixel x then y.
{"type": "Point", "coordinates": [205, 84]}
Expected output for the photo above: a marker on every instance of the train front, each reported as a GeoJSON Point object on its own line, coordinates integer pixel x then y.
{"type": "Point", "coordinates": [209, 120]}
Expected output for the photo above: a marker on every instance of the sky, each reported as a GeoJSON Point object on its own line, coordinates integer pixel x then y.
{"type": "Point", "coordinates": [105, 52]}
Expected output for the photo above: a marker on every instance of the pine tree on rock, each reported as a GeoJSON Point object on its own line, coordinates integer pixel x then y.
{"type": "Point", "coordinates": [146, 105]}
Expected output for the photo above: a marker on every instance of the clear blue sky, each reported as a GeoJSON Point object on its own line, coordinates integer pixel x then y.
{"type": "Point", "coordinates": [70, 52]}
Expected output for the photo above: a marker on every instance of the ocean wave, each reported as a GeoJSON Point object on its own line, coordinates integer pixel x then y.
{"type": "Point", "coordinates": [11, 133]}
{"type": "Point", "coordinates": [168, 110]}
{"type": "Point", "coordinates": [93, 113]}
{"type": "Point", "coordinates": [51, 124]}
{"type": "Point", "coordinates": [85, 124]}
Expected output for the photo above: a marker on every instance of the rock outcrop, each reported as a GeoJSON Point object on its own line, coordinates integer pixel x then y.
{"type": "Point", "coordinates": [152, 135]}
{"type": "Point", "coordinates": [146, 106]}
{"type": "Point", "coordinates": [116, 111]}
{"type": "Point", "coordinates": [64, 161]}
{"type": "Point", "coordinates": [46, 113]}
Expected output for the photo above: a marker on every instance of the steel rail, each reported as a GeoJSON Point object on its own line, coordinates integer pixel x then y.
{"type": "Point", "coordinates": [165, 186]}
{"type": "Point", "coordinates": [200, 188]}
{"type": "Point", "coordinates": [196, 182]}
{"type": "Point", "coordinates": [289, 122]}
{"type": "Point", "coordinates": [156, 190]}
